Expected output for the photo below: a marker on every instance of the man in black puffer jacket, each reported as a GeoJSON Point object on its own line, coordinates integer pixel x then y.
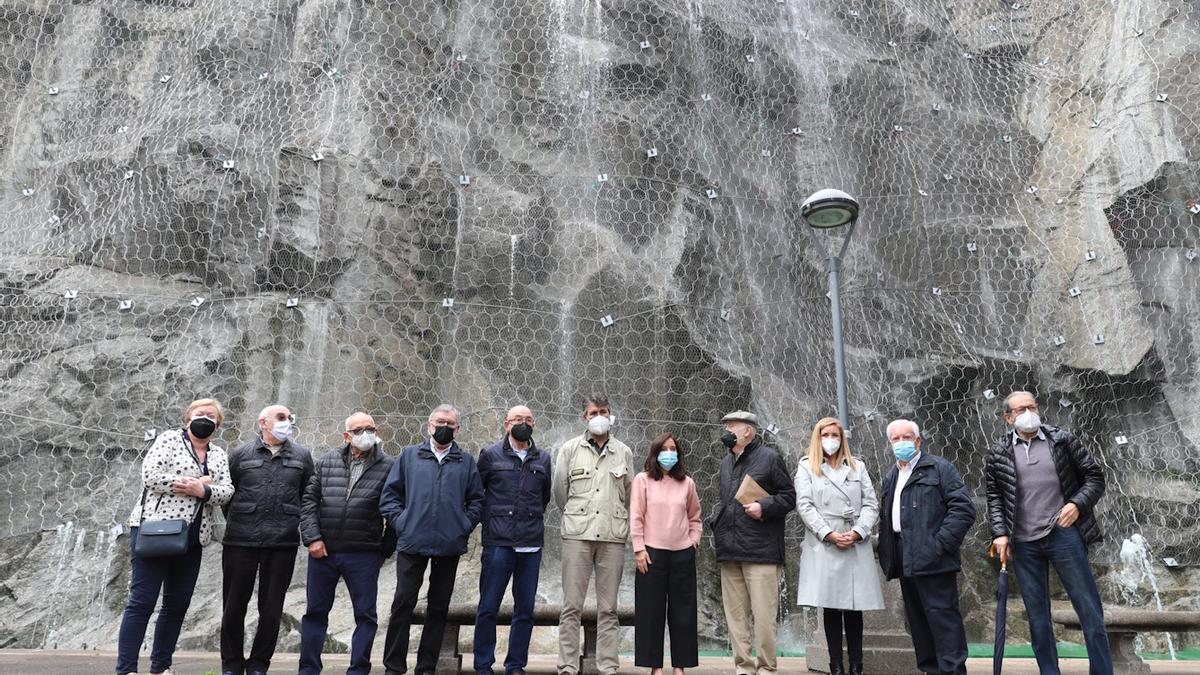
{"type": "Point", "coordinates": [262, 532]}
{"type": "Point", "coordinates": [347, 537]}
{"type": "Point", "coordinates": [1042, 486]}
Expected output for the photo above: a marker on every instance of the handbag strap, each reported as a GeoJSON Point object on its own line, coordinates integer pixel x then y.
{"type": "Point", "coordinates": [199, 502]}
{"type": "Point", "coordinates": [142, 510]}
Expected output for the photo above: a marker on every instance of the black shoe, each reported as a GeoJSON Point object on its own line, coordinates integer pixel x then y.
{"type": "Point", "coordinates": [856, 668]}
{"type": "Point", "coordinates": [836, 668]}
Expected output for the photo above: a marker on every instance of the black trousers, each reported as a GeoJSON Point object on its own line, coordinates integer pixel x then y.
{"type": "Point", "coordinates": [272, 566]}
{"type": "Point", "coordinates": [835, 619]}
{"type": "Point", "coordinates": [666, 596]}
{"type": "Point", "coordinates": [410, 571]}
{"type": "Point", "coordinates": [931, 606]}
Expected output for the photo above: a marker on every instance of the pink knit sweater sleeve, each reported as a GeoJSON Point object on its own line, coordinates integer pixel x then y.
{"type": "Point", "coordinates": [695, 525]}
{"type": "Point", "coordinates": [637, 512]}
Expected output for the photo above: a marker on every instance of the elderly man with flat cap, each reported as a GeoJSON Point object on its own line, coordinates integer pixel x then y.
{"type": "Point", "coordinates": [748, 534]}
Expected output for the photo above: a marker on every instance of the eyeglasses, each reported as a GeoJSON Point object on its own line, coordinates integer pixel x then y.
{"type": "Point", "coordinates": [362, 429]}
{"type": "Point", "coordinates": [1020, 409]}
{"type": "Point", "coordinates": [518, 420]}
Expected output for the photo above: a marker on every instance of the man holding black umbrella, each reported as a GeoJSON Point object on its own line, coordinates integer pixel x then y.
{"type": "Point", "coordinates": [1042, 486]}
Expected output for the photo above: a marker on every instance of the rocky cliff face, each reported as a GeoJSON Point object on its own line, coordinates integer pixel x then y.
{"type": "Point", "coordinates": [383, 205]}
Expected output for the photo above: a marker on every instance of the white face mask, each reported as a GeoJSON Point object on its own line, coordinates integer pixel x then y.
{"type": "Point", "coordinates": [1027, 422]}
{"type": "Point", "coordinates": [364, 441]}
{"type": "Point", "coordinates": [282, 430]}
{"type": "Point", "coordinates": [599, 425]}
{"type": "Point", "coordinates": [831, 445]}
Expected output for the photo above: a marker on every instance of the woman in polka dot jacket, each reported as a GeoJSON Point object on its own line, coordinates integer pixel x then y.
{"type": "Point", "coordinates": [184, 476]}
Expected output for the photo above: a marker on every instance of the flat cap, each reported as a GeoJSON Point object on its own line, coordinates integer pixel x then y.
{"type": "Point", "coordinates": [741, 416]}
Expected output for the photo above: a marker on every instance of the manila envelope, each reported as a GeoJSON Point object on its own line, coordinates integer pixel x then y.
{"type": "Point", "coordinates": [750, 491]}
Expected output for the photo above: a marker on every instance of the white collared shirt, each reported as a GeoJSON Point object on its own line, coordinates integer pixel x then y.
{"type": "Point", "coordinates": [901, 479]}
{"type": "Point", "coordinates": [439, 455]}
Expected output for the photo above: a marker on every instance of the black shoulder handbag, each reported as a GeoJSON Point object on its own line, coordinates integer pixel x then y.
{"type": "Point", "coordinates": [164, 538]}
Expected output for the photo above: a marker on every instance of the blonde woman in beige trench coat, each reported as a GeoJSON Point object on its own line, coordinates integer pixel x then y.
{"type": "Point", "coordinates": [837, 502]}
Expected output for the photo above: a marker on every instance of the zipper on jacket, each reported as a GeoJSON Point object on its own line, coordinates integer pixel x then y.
{"type": "Point", "coordinates": [349, 489]}
{"type": "Point", "coordinates": [438, 491]}
{"type": "Point", "coordinates": [520, 486]}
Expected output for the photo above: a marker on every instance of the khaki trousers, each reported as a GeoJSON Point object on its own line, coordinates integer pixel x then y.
{"type": "Point", "coordinates": [751, 589]}
{"type": "Point", "coordinates": [580, 560]}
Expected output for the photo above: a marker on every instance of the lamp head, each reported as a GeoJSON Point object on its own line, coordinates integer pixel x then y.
{"type": "Point", "coordinates": [829, 208]}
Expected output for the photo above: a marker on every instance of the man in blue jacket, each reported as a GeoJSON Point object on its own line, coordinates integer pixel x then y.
{"type": "Point", "coordinates": [925, 512]}
{"type": "Point", "coordinates": [432, 499]}
{"type": "Point", "coordinates": [516, 482]}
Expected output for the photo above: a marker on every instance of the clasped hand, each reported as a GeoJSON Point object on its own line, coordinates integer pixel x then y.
{"type": "Point", "coordinates": [843, 539]}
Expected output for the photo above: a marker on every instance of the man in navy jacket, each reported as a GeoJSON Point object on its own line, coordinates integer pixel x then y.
{"type": "Point", "coordinates": [432, 500]}
{"type": "Point", "coordinates": [516, 482]}
{"type": "Point", "coordinates": [924, 514]}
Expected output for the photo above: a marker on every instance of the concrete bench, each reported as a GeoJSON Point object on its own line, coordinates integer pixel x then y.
{"type": "Point", "coordinates": [1123, 625]}
{"type": "Point", "coordinates": [463, 614]}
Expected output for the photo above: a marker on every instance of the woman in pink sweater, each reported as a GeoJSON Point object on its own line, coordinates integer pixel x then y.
{"type": "Point", "coordinates": [664, 519]}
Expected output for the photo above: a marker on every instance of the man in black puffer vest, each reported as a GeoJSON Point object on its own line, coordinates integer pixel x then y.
{"type": "Point", "coordinates": [347, 538]}
{"type": "Point", "coordinates": [1042, 486]}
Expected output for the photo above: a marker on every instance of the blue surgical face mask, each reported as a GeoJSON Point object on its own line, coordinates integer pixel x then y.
{"type": "Point", "coordinates": [667, 459]}
{"type": "Point", "coordinates": [904, 450]}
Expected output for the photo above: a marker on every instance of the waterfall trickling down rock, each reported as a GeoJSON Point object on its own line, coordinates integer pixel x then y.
{"type": "Point", "coordinates": [68, 551]}
{"type": "Point", "coordinates": [1138, 570]}
{"type": "Point", "coordinates": [512, 267]}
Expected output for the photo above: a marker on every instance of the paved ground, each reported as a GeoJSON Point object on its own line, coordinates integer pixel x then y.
{"type": "Point", "coordinates": [28, 662]}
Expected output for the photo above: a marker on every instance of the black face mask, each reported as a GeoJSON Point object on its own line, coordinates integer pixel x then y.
{"type": "Point", "coordinates": [202, 427]}
{"type": "Point", "coordinates": [522, 432]}
{"type": "Point", "coordinates": [443, 435]}
{"type": "Point", "coordinates": [728, 439]}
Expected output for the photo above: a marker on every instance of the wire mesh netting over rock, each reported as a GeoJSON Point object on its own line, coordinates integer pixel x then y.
{"type": "Point", "coordinates": [353, 204]}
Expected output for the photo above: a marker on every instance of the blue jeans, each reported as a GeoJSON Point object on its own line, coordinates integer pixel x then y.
{"type": "Point", "coordinates": [1064, 549]}
{"type": "Point", "coordinates": [176, 578]}
{"type": "Point", "coordinates": [498, 565]}
{"type": "Point", "coordinates": [361, 572]}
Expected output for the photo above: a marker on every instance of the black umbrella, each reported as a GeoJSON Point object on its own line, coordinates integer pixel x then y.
{"type": "Point", "coordinates": [1001, 618]}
